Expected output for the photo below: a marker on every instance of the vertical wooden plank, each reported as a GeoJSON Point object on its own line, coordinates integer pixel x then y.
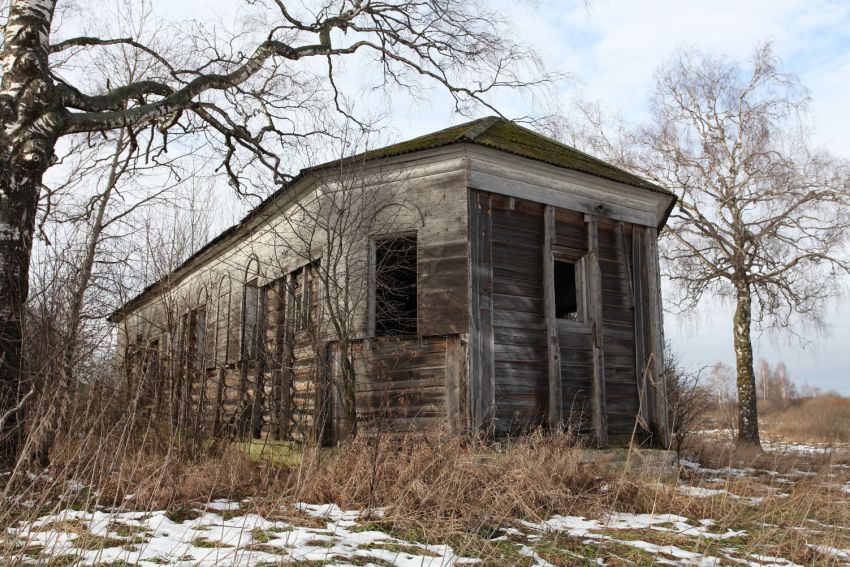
{"type": "Point", "coordinates": [640, 305]}
{"type": "Point", "coordinates": [474, 353]}
{"type": "Point", "coordinates": [189, 366]}
{"type": "Point", "coordinates": [219, 401]}
{"type": "Point", "coordinates": [485, 266]}
{"type": "Point", "coordinates": [336, 421]}
{"type": "Point", "coordinates": [200, 417]}
{"type": "Point", "coordinates": [287, 354]}
{"type": "Point", "coordinates": [178, 360]}
{"type": "Point", "coordinates": [553, 346]}
{"type": "Point", "coordinates": [324, 401]}
{"type": "Point", "coordinates": [285, 418]}
{"type": "Point", "coordinates": [656, 336]}
{"type": "Point", "coordinates": [463, 383]}
{"type": "Point", "coordinates": [454, 366]}
{"type": "Point", "coordinates": [272, 353]}
{"type": "Point", "coordinates": [221, 323]}
{"type": "Point", "coordinates": [626, 259]}
{"type": "Point", "coordinates": [210, 325]}
{"type": "Point", "coordinates": [242, 410]}
{"type": "Point", "coordinates": [482, 387]}
{"type": "Point", "coordinates": [238, 329]}
{"type": "Point", "coordinates": [594, 279]}
{"type": "Point", "coordinates": [258, 409]}
{"type": "Point", "coordinates": [370, 290]}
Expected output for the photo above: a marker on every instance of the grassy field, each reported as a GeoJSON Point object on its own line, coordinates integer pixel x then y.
{"type": "Point", "coordinates": [539, 500]}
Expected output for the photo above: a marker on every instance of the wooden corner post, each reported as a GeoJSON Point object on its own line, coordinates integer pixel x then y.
{"type": "Point", "coordinates": [482, 387]}
{"type": "Point", "coordinates": [641, 307]}
{"type": "Point", "coordinates": [553, 347]}
{"type": "Point", "coordinates": [594, 285]}
{"type": "Point", "coordinates": [660, 414]}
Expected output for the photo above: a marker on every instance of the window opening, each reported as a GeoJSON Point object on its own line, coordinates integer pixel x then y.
{"type": "Point", "coordinates": [297, 295]}
{"type": "Point", "coordinates": [200, 337]}
{"type": "Point", "coordinates": [304, 299]}
{"type": "Point", "coordinates": [567, 304]}
{"type": "Point", "coordinates": [395, 286]}
{"type": "Point", "coordinates": [250, 320]}
{"type": "Point", "coordinates": [309, 298]}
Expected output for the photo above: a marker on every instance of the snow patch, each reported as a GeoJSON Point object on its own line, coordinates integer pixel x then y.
{"type": "Point", "coordinates": [843, 554]}
{"type": "Point", "coordinates": [701, 492]}
{"type": "Point", "coordinates": [223, 505]}
{"type": "Point", "coordinates": [210, 539]}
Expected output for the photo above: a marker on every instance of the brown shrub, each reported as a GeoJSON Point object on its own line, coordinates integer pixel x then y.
{"type": "Point", "coordinates": [688, 400]}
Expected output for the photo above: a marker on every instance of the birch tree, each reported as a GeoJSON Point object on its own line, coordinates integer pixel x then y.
{"type": "Point", "coordinates": [256, 91]}
{"type": "Point", "coordinates": [761, 216]}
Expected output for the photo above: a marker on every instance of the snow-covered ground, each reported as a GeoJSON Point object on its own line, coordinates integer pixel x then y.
{"type": "Point", "coordinates": [232, 533]}
{"type": "Point", "coordinates": [778, 445]}
{"type": "Point", "coordinates": [225, 534]}
{"type": "Point", "coordinates": [152, 539]}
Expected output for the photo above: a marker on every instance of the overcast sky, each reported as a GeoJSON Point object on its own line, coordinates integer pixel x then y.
{"type": "Point", "coordinates": [612, 48]}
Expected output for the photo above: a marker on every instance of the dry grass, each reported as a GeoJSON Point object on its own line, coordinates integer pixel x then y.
{"type": "Point", "coordinates": [824, 419]}
{"type": "Point", "coordinates": [449, 480]}
{"type": "Point", "coordinates": [439, 489]}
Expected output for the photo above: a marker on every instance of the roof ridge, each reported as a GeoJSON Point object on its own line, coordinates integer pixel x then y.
{"type": "Point", "coordinates": [478, 127]}
{"type": "Point", "coordinates": [574, 149]}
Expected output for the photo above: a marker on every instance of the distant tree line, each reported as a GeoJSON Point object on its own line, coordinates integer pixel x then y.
{"type": "Point", "coordinates": [773, 383]}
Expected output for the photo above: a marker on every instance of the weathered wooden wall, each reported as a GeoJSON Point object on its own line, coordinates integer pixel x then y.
{"type": "Point", "coordinates": [621, 392]}
{"type": "Point", "coordinates": [488, 226]}
{"type": "Point", "coordinates": [519, 327]}
{"type": "Point", "coordinates": [280, 392]}
{"type": "Point", "coordinates": [508, 239]}
{"type": "Point", "coordinates": [402, 384]}
{"type": "Point", "coordinates": [575, 340]}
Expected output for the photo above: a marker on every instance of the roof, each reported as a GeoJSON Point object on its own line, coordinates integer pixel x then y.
{"type": "Point", "coordinates": [494, 132]}
{"type": "Point", "coordinates": [507, 136]}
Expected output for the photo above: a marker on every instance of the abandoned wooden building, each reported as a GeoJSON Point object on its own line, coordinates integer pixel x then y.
{"type": "Point", "coordinates": [483, 278]}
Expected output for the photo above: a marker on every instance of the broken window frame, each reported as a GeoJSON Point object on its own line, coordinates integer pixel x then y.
{"type": "Point", "coordinates": [564, 255]}
{"type": "Point", "coordinates": [191, 339]}
{"type": "Point", "coordinates": [375, 327]}
{"type": "Point", "coordinates": [200, 316]}
{"type": "Point", "coordinates": [251, 320]}
{"type": "Point", "coordinates": [303, 314]}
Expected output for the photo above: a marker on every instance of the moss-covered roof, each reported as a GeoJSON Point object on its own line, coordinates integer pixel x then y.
{"type": "Point", "coordinates": [507, 136]}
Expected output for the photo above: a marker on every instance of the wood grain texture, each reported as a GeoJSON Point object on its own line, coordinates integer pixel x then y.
{"type": "Point", "coordinates": [519, 188]}
{"type": "Point", "coordinates": [474, 351]}
{"type": "Point", "coordinates": [521, 345]}
{"type": "Point", "coordinates": [518, 177]}
{"type": "Point", "coordinates": [456, 407]}
{"type": "Point", "coordinates": [594, 282]}
{"type": "Point", "coordinates": [491, 354]}
{"type": "Point", "coordinates": [403, 381]}
{"type": "Point", "coordinates": [622, 394]}
{"type": "Point", "coordinates": [484, 244]}
{"type": "Point", "coordinates": [640, 309]}
{"type": "Point", "coordinates": [656, 336]}
{"type": "Point", "coordinates": [553, 347]}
